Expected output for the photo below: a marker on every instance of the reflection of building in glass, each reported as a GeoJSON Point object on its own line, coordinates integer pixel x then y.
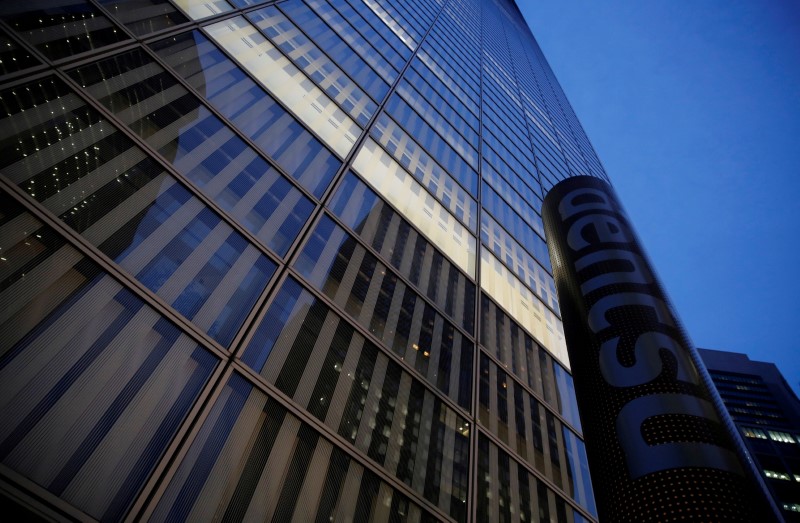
{"type": "Point", "coordinates": [767, 412]}
{"type": "Point", "coordinates": [283, 260]}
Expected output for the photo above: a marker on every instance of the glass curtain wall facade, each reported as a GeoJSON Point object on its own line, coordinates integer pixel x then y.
{"type": "Point", "coordinates": [283, 261]}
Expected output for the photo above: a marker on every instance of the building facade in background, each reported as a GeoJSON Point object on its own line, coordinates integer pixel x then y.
{"type": "Point", "coordinates": [767, 412]}
{"type": "Point", "coordinates": [283, 261]}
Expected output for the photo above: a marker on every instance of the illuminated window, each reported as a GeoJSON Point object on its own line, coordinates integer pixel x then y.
{"type": "Point", "coordinates": [783, 437]}
{"type": "Point", "coordinates": [754, 433]}
{"type": "Point", "coordinates": [777, 475]}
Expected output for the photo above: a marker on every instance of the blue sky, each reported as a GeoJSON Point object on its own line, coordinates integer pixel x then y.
{"type": "Point", "coordinates": [694, 109]}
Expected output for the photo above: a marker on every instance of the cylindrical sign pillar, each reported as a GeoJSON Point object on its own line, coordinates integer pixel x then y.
{"type": "Point", "coordinates": [660, 445]}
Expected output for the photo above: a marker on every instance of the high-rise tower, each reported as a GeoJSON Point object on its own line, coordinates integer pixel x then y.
{"type": "Point", "coordinates": [283, 260]}
{"type": "Point", "coordinates": [767, 412]}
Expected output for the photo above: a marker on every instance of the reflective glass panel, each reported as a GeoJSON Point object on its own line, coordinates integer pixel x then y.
{"type": "Point", "coordinates": [61, 28]}
{"type": "Point", "coordinates": [524, 266]}
{"type": "Point", "coordinates": [567, 404]}
{"type": "Point", "coordinates": [515, 348]}
{"type": "Point", "coordinates": [513, 415]}
{"type": "Point", "coordinates": [287, 83]}
{"type": "Point", "coordinates": [508, 490]}
{"type": "Point", "coordinates": [334, 46]}
{"type": "Point", "coordinates": [441, 117]}
{"type": "Point", "coordinates": [253, 461]}
{"type": "Point", "coordinates": [520, 247]}
{"type": "Point", "coordinates": [371, 21]}
{"type": "Point", "coordinates": [453, 159]}
{"type": "Point", "coordinates": [417, 205]}
{"type": "Point", "coordinates": [321, 362]}
{"type": "Point", "coordinates": [145, 16]}
{"type": "Point", "coordinates": [427, 172]}
{"type": "Point", "coordinates": [325, 25]}
{"type": "Point", "coordinates": [521, 230]}
{"type": "Point", "coordinates": [94, 383]}
{"type": "Point", "coordinates": [248, 106]}
{"type": "Point", "coordinates": [199, 145]}
{"type": "Point", "coordinates": [82, 169]}
{"type": "Point", "coordinates": [13, 58]}
{"type": "Point", "coordinates": [386, 17]}
{"type": "Point", "coordinates": [373, 296]}
{"type": "Point", "coordinates": [305, 54]}
{"type": "Point", "coordinates": [501, 284]}
{"type": "Point", "coordinates": [406, 249]}
{"type": "Point", "coordinates": [579, 483]}
{"type": "Point", "coordinates": [198, 9]}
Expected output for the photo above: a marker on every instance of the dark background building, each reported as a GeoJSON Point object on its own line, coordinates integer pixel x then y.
{"type": "Point", "coordinates": [767, 412]}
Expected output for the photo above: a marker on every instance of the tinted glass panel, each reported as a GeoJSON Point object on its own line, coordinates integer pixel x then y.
{"type": "Point", "coordinates": [13, 58]}
{"type": "Point", "coordinates": [507, 290]}
{"type": "Point", "coordinates": [305, 54]}
{"type": "Point", "coordinates": [507, 490]}
{"type": "Point", "coordinates": [393, 312]}
{"type": "Point", "coordinates": [286, 82]}
{"type": "Point", "coordinates": [256, 114]}
{"type": "Point", "coordinates": [567, 404]}
{"type": "Point", "coordinates": [417, 205]}
{"type": "Point", "coordinates": [319, 360]}
{"type": "Point", "coordinates": [63, 154]}
{"type": "Point", "coordinates": [93, 382]}
{"type": "Point", "coordinates": [521, 263]}
{"type": "Point", "coordinates": [522, 232]}
{"type": "Point", "coordinates": [579, 483]}
{"type": "Point", "coordinates": [355, 65]}
{"type": "Point", "coordinates": [254, 461]}
{"type": "Point", "coordinates": [198, 9]}
{"type": "Point", "coordinates": [61, 28]}
{"type": "Point", "coordinates": [346, 46]}
{"type": "Point", "coordinates": [521, 355]}
{"type": "Point", "coordinates": [145, 16]}
{"type": "Point", "coordinates": [198, 144]}
{"type": "Point", "coordinates": [447, 189]}
{"type": "Point", "coordinates": [407, 250]}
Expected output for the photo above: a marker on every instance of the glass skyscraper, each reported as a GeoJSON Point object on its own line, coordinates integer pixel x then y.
{"type": "Point", "coordinates": [283, 261]}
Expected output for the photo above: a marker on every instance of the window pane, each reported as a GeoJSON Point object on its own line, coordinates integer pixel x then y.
{"type": "Point", "coordinates": [427, 172]}
{"type": "Point", "coordinates": [63, 154]}
{"type": "Point", "coordinates": [514, 347]}
{"type": "Point", "coordinates": [407, 250]}
{"type": "Point", "coordinates": [392, 311]}
{"type": "Point", "coordinates": [506, 489]}
{"type": "Point", "coordinates": [287, 83]}
{"type": "Point", "coordinates": [61, 28]}
{"type": "Point", "coordinates": [305, 55]}
{"type": "Point", "coordinates": [579, 484]}
{"type": "Point", "coordinates": [253, 460]}
{"type": "Point", "coordinates": [348, 48]}
{"type": "Point", "coordinates": [319, 360]}
{"type": "Point", "coordinates": [417, 205]}
{"type": "Point", "coordinates": [145, 16]}
{"type": "Point", "coordinates": [501, 284]}
{"type": "Point", "coordinates": [13, 58]}
{"type": "Point", "coordinates": [524, 266]}
{"type": "Point", "coordinates": [251, 109]}
{"type": "Point", "coordinates": [198, 9]}
{"type": "Point", "coordinates": [567, 404]}
{"type": "Point", "coordinates": [199, 145]}
{"type": "Point", "coordinates": [93, 382]}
